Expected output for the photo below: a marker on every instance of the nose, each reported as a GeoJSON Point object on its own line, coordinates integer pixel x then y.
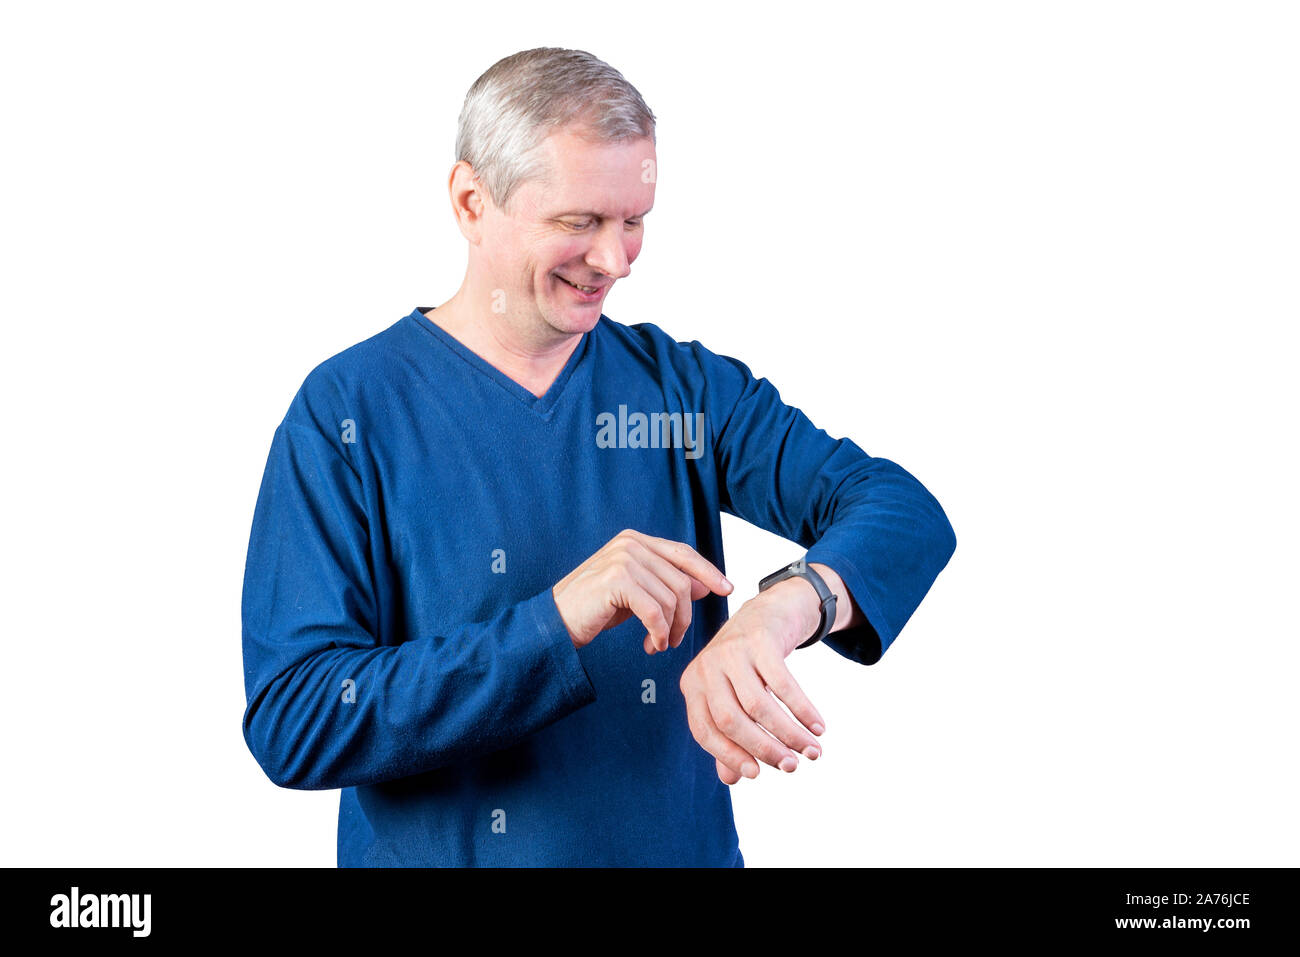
{"type": "Point", "coordinates": [607, 253]}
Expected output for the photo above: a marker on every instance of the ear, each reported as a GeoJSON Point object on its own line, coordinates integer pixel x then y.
{"type": "Point", "coordinates": [468, 201]}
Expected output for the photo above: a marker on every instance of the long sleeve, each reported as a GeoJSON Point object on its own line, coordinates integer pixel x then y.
{"type": "Point", "coordinates": [331, 706]}
{"type": "Point", "coordinates": [867, 518]}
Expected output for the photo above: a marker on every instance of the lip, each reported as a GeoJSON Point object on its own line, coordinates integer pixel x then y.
{"type": "Point", "coordinates": [581, 296]}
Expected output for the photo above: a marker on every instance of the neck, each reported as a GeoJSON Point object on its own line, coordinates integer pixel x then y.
{"type": "Point", "coordinates": [531, 353]}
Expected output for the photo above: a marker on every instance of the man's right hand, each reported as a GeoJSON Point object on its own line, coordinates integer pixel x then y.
{"type": "Point", "coordinates": [654, 579]}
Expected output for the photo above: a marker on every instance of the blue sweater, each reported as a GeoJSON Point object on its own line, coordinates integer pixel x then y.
{"type": "Point", "coordinates": [401, 642]}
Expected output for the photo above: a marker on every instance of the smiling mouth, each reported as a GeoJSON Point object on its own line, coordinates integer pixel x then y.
{"type": "Point", "coordinates": [587, 289]}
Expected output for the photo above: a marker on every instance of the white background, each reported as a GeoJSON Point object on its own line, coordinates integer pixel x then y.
{"type": "Point", "coordinates": [1043, 255]}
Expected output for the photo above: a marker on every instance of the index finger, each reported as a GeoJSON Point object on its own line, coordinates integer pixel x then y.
{"type": "Point", "coordinates": [691, 562]}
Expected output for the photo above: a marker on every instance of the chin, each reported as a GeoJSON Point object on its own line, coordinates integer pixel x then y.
{"type": "Point", "coordinates": [569, 318]}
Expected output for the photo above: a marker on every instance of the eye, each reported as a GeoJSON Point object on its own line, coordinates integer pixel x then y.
{"type": "Point", "coordinates": [580, 225]}
{"type": "Point", "coordinates": [633, 224]}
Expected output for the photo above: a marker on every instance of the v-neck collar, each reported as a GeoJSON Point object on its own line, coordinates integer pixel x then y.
{"type": "Point", "coordinates": [543, 404]}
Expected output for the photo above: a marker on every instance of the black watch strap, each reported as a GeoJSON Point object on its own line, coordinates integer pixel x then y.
{"type": "Point", "coordinates": [800, 569]}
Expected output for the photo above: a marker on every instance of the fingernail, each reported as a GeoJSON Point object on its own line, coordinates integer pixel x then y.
{"type": "Point", "coordinates": [750, 770]}
{"type": "Point", "coordinates": [726, 581]}
{"type": "Point", "coordinates": [817, 728]}
{"type": "Point", "coordinates": [811, 753]}
{"type": "Point", "coordinates": [788, 764]}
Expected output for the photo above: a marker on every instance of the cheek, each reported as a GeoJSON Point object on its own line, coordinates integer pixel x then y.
{"type": "Point", "coordinates": [632, 247]}
{"type": "Point", "coordinates": [555, 255]}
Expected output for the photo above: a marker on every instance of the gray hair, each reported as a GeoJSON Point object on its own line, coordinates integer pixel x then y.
{"type": "Point", "coordinates": [525, 97]}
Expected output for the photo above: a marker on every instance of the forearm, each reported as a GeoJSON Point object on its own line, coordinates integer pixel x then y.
{"type": "Point", "coordinates": [350, 716]}
{"type": "Point", "coordinates": [865, 517]}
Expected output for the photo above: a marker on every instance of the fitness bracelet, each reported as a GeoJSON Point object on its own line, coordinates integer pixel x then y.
{"type": "Point", "coordinates": [800, 569]}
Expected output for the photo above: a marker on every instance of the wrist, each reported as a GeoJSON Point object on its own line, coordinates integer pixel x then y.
{"type": "Point", "coordinates": [559, 610]}
{"type": "Point", "coordinates": [797, 601]}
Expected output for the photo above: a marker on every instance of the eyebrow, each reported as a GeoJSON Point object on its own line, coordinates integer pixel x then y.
{"type": "Point", "coordinates": [588, 212]}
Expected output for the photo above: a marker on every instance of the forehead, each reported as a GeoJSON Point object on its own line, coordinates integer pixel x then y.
{"type": "Point", "coordinates": [613, 179]}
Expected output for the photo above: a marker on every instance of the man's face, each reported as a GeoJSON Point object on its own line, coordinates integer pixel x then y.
{"type": "Point", "coordinates": [579, 222]}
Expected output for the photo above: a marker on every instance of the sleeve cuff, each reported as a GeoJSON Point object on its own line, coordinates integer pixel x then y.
{"type": "Point", "coordinates": [865, 643]}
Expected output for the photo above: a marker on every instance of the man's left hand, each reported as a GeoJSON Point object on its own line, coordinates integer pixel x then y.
{"type": "Point", "coordinates": [735, 687]}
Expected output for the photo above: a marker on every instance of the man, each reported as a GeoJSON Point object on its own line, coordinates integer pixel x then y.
{"type": "Point", "coordinates": [484, 593]}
